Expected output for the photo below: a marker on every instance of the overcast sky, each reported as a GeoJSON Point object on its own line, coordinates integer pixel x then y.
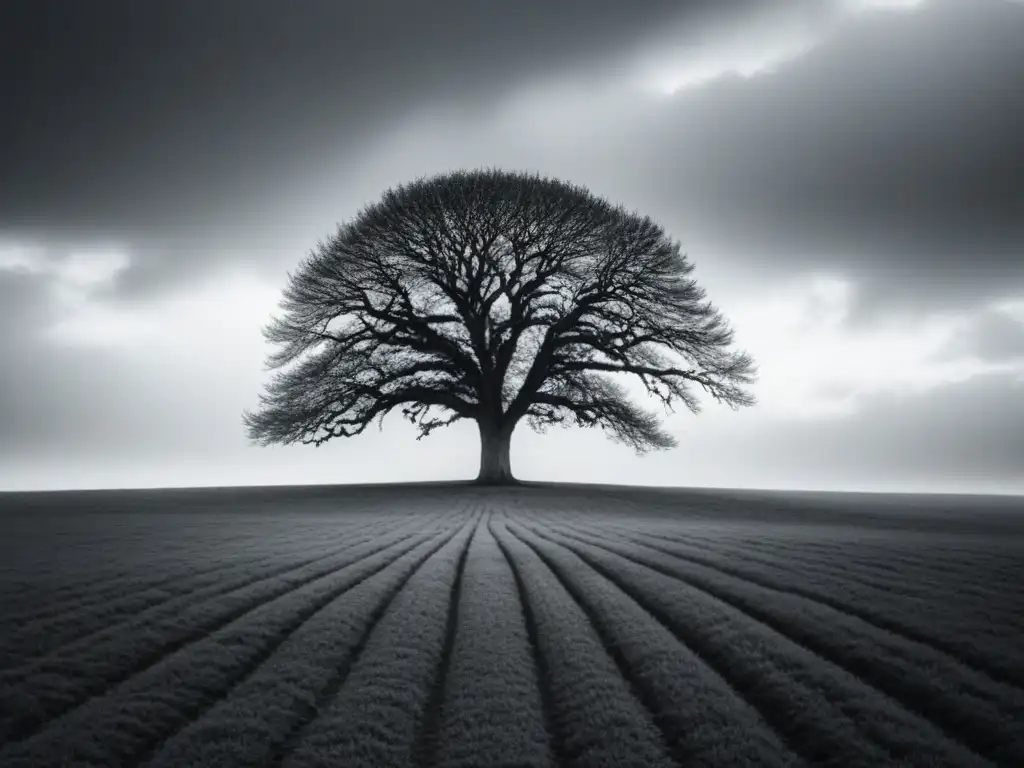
{"type": "Point", "coordinates": [844, 174]}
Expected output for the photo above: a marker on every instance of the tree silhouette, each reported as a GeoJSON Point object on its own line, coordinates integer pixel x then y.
{"type": "Point", "coordinates": [493, 296]}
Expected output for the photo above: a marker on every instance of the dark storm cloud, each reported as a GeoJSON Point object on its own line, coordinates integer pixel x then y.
{"type": "Point", "coordinates": [141, 115]}
{"type": "Point", "coordinates": [202, 134]}
{"type": "Point", "coordinates": [174, 126]}
{"type": "Point", "coordinates": [886, 152]}
{"type": "Point", "coordinates": [889, 152]}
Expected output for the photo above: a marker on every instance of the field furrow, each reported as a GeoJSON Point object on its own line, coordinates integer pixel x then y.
{"type": "Point", "coordinates": [165, 570]}
{"type": "Point", "coordinates": [492, 676]}
{"type": "Point", "coordinates": [982, 713]}
{"type": "Point", "coordinates": [91, 639]}
{"type": "Point", "coordinates": [943, 556]}
{"type": "Point", "coordinates": [255, 720]}
{"type": "Point", "coordinates": [543, 625]}
{"type": "Point", "coordinates": [972, 587]}
{"type": "Point", "coordinates": [93, 590]}
{"type": "Point", "coordinates": [930, 577]}
{"type": "Point", "coordinates": [32, 640]}
{"type": "Point", "coordinates": [821, 708]}
{"type": "Point", "coordinates": [927, 622]}
{"type": "Point", "coordinates": [703, 720]}
{"type": "Point", "coordinates": [380, 714]}
{"type": "Point", "coordinates": [428, 720]}
{"type": "Point", "coordinates": [597, 720]}
{"type": "Point", "coordinates": [60, 682]}
{"type": "Point", "coordinates": [968, 575]}
{"type": "Point", "coordinates": [131, 719]}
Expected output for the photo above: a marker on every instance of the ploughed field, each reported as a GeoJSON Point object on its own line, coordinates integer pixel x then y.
{"type": "Point", "coordinates": [447, 625]}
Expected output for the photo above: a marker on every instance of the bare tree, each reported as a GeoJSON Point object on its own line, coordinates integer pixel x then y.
{"type": "Point", "coordinates": [493, 296]}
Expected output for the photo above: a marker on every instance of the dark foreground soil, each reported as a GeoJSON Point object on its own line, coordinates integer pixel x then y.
{"type": "Point", "coordinates": [542, 625]}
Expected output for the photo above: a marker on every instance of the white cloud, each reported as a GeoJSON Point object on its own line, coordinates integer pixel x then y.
{"type": "Point", "coordinates": [813, 365]}
{"type": "Point", "coordinates": [859, 6]}
{"type": "Point", "coordinates": [82, 267]}
{"type": "Point", "coordinates": [90, 268]}
{"type": "Point", "coordinates": [758, 47]}
{"type": "Point", "coordinates": [1012, 308]}
{"type": "Point", "coordinates": [231, 303]}
{"type": "Point", "coordinates": [73, 275]}
{"type": "Point", "coordinates": [699, 69]}
{"type": "Point", "coordinates": [20, 257]}
{"type": "Point", "coordinates": [230, 306]}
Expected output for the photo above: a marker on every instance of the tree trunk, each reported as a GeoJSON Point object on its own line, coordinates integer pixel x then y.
{"type": "Point", "coordinates": [495, 461]}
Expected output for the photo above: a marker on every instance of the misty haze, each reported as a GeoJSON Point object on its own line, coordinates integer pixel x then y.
{"type": "Point", "coordinates": [523, 384]}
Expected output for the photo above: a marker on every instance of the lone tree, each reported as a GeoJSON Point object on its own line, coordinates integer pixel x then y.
{"type": "Point", "coordinates": [493, 296]}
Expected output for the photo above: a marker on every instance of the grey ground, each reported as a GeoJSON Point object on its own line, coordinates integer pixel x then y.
{"type": "Point", "coordinates": [543, 625]}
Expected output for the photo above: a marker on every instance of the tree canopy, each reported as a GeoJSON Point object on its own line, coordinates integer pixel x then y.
{"type": "Point", "coordinates": [494, 296]}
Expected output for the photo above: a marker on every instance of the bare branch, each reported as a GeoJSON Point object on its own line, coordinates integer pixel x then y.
{"type": "Point", "coordinates": [493, 296]}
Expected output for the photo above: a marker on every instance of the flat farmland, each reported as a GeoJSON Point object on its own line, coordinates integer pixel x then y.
{"type": "Point", "coordinates": [542, 625]}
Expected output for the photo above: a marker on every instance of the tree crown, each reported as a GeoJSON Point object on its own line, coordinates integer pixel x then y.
{"type": "Point", "coordinates": [493, 296]}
